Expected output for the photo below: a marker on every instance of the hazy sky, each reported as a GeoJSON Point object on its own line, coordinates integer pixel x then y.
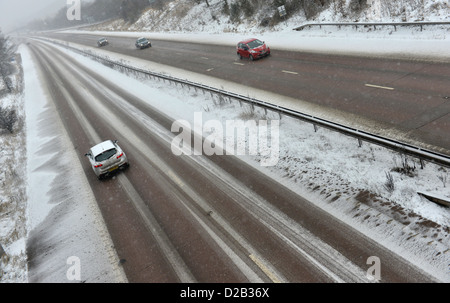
{"type": "Point", "coordinates": [15, 13]}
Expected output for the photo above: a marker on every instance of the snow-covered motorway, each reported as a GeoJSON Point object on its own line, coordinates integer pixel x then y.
{"type": "Point", "coordinates": [205, 219]}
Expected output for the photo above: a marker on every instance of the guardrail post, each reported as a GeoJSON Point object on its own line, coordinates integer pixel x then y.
{"type": "Point", "coordinates": [359, 142]}
{"type": "Point", "coordinates": [315, 127]}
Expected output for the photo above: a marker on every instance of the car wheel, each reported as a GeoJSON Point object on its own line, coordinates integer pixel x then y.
{"type": "Point", "coordinates": [251, 57]}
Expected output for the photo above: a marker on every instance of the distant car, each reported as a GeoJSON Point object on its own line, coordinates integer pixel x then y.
{"type": "Point", "coordinates": [252, 49]}
{"type": "Point", "coordinates": [106, 158]}
{"type": "Point", "coordinates": [143, 43]}
{"type": "Point", "coordinates": [102, 42]}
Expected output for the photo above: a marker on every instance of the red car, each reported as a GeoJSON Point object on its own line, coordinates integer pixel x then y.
{"type": "Point", "coordinates": [252, 49]}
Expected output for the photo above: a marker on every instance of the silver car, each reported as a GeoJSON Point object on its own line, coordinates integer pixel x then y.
{"type": "Point", "coordinates": [107, 157]}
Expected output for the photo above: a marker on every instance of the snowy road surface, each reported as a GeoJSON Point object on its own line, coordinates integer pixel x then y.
{"type": "Point", "coordinates": [408, 98]}
{"type": "Point", "coordinates": [206, 219]}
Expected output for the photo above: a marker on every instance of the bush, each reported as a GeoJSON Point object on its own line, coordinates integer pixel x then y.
{"type": "Point", "coordinates": [389, 185]}
{"type": "Point", "coordinates": [235, 12]}
{"type": "Point", "coordinates": [405, 168]}
{"type": "Point", "coordinates": [357, 6]}
{"type": "Point", "coordinates": [247, 8]}
{"type": "Point", "coordinates": [8, 118]}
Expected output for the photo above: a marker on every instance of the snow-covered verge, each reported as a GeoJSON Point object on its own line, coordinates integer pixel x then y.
{"type": "Point", "coordinates": [329, 169]}
{"type": "Point", "coordinates": [13, 200]}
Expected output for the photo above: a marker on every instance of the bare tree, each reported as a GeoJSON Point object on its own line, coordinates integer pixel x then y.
{"type": "Point", "coordinates": [6, 54]}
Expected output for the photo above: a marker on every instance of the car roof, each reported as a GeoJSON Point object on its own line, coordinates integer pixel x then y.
{"type": "Point", "coordinates": [101, 147]}
{"type": "Point", "coordinates": [248, 40]}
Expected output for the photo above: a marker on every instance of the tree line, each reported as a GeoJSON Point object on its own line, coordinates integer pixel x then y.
{"type": "Point", "coordinates": [131, 10]}
{"type": "Point", "coordinates": [6, 67]}
{"type": "Point", "coordinates": [239, 9]}
{"type": "Point", "coordinates": [8, 116]}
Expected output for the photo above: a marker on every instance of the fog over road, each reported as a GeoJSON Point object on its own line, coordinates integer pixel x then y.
{"type": "Point", "coordinates": [208, 219]}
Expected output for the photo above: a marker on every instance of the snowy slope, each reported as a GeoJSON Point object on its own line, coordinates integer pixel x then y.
{"type": "Point", "coordinates": [188, 16]}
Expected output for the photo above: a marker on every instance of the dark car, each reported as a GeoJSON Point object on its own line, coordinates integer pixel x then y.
{"type": "Point", "coordinates": [252, 49]}
{"type": "Point", "coordinates": [143, 43]}
{"type": "Point", "coordinates": [102, 42]}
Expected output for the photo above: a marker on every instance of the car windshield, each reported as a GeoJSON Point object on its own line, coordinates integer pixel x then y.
{"type": "Point", "coordinates": [142, 40]}
{"type": "Point", "coordinates": [255, 43]}
{"type": "Point", "coordinates": [105, 155]}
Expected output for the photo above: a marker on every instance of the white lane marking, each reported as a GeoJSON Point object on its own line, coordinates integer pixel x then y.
{"type": "Point", "coordinates": [308, 256]}
{"type": "Point", "coordinates": [206, 58]}
{"type": "Point", "coordinates": [289, 72]}
{"type": "Point", "coordinates": [378, 86]}
{"type": "Point", "coordinates": [265, 269]}
{"type": "Point", "coordinates": [169, 251]}
{"type": "Point", "coordinates": [210, 69]}
{"type": "Point", "coordinates": [175, 178]}
{"type": "Point", "coordinates": [237, 63]}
